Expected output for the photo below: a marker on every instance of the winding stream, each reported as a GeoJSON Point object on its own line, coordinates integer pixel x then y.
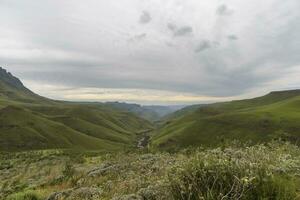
{"type": "Point", "coordinates": [144, 140]}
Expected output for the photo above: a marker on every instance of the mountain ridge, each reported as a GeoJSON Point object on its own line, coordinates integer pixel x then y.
{"type": "Point", "coordinates": [29, 121]}
{"type": "Point", "coordinates": [152, 113]}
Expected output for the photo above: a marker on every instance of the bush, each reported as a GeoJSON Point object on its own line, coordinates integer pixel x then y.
{"type": "Point", "coordinates": [68, 171]}
{"type": "Point", "coordinates": [27, 195]}
{"type": "Point", "coordinates": [249, 173]}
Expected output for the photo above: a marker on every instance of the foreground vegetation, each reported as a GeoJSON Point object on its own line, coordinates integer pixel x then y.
{"type": "Point", "coordinates": [270, 171]}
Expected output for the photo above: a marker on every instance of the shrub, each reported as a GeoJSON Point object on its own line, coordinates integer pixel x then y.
{"type": "Point", "coordinates": [249, 173]}
{"type": "Point", "coordinates": [27, 195]}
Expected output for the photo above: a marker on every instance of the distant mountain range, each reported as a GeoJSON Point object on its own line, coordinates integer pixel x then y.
{"type": "Point", "coordinates": [152, 113]}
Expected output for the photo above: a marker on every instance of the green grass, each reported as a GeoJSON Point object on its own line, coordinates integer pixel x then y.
{"type": "Point", "coordinates": [27, 195]}
{"type": "Point", "coordinates": [22, 129]}
{"type": "Point", "coordinates": [67, 126]}
{"type": "Point", "coordinates": [258, 120]}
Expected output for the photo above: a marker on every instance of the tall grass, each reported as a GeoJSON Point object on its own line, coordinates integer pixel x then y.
{"type": "Point", "coordinates": [257, 172]}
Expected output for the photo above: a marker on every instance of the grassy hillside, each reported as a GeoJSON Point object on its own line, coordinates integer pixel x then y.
{"type": "Point", "coordinates": [260, 119]}
{"type": "Point", "coordinates": [22, 129]}
{"type": "Point", "coordinates": [28, 121]}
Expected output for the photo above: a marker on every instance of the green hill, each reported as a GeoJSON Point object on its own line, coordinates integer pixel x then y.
{"type": "Point", "coordinates": [22, 129]}
{"type": "Point", "coordinates": [29, 121]}
{"type": "Point", "coordinates": [260, 119]}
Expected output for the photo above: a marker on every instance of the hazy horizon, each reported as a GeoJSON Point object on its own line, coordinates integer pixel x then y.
{"type": "Point", "coordinates": [152, 52]}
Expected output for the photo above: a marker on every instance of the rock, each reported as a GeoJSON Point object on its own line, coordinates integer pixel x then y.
{"type": "Point", "coordinates": [59, 195]}
{"type": "Point", "coordinates": [149, 193]}
{"type": "Point", "coordinates": [83, 193]}
{"type": "Point", "coordinates": [54, 196]}
{"type": "Point", "coordinates": [103, 169]}
{"type": "Point", "coordinates": [154, 192]}
{"type": "Point", "coordinates": [129, 197]}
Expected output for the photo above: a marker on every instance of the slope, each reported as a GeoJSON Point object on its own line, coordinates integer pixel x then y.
{"type": "Point", "coordinates": [22, 129]}
{"type": "Point", "coordinates": [260, 119]}
{"type": "Point", "coordinates": [29, 121]}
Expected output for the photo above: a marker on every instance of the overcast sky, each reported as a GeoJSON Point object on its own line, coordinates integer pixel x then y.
{"type": "Point", "coordinates": [152, 51]}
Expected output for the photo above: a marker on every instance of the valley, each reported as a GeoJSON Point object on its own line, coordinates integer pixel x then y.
{"type": "Point", "coordinates": [30, 122]}
{"type": "Point", "coordinates": [59, 150]}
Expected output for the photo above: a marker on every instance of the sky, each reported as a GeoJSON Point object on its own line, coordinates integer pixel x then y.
{"type": "Point", "coordinates": [152, 51]}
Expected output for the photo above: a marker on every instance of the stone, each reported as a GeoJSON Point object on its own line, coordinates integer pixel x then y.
{"type": "Point", "coordinates": [103, 169]}
{"type": "Point", "coordinates": [129, 197]}
{"type": "Point", "coordinates": [82, 193]}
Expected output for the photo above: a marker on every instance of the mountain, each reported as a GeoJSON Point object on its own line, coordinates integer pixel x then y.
{"type": "Point", "coordinates": [12, 89]}
{"type": "Point", "coordinates": [274, 115]}
{"type": "Point", "coordinates": [152, 113]}
{"type": "Point", "coordinates": [29, 121]}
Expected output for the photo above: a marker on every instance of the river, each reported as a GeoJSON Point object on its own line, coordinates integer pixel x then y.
{"type": "Point", "coordinates": [144, 140]}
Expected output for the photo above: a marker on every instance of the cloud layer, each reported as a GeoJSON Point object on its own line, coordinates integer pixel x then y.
{"type": "Point", "coordinates": [218, 49]}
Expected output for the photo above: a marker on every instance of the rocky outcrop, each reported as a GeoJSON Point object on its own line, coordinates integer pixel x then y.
{"type": "Point", "coordinates": [82, 193]}
{"type": "Point", "coordinates": [129, 197]}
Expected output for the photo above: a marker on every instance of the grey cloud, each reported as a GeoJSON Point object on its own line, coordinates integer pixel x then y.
{"type": "Point", "coordinates": [223, 10]}
{"type": "Point", "coordinates": [180, 31]}
{"type": "Point", "coordinates": [232, 37]}
{"type": "Point", "coordinates": [145, 17]}
{"type": "Point", "coordinates": [172, 27]}
{"type": "Point", "coordinates": [203, 45]}
{"type": "Point", "coordinates": [138, 37]}
{"type": "Point", "coordinates": [185, 30]}
{"type": "Point", "coordinates": [170, 44]}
